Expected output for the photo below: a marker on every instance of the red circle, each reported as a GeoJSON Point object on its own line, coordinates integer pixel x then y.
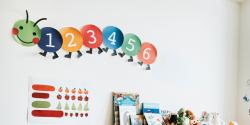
{"type": "Point", "coordinates": [35, 40]}
{"type": "Point", "coordinates": [15, 31]}
{"type": "Point", "coordinates": [92, 36]}
{"type": "Point", "coordinates": [148, 53]}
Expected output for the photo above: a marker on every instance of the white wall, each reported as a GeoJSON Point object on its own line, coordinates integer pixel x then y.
{"type": "Point", "coordinates": [244, 64]}
{"type": "Point", "coordinates": [197, 42]}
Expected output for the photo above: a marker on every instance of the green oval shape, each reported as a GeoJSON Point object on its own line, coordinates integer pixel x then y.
{"type": "Point", "coordinates": [131, 45]}
{"type": "Point", "coordinates": [41, 104]}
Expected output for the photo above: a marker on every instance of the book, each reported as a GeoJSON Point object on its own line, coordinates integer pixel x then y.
{"type": "Point", "coordinates": [127, 99]}
{"type": "Point", "coordinates": [125, 112]}
{"type": "Point", "coordinates": [154, 119]}
{"type": "Point", "coordinates": [137, 120]}
{"type": "Point", "coordinates": [151, 108]}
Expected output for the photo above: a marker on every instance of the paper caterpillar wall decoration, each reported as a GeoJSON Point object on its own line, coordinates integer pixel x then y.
{"type": "Point", "coordinates": [50, 40]}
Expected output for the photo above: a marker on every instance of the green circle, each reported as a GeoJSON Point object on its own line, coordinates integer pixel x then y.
{"type": "Point", "coordinates": [131, 45]}
{"type": "Point", "coordinates": [27, 31]}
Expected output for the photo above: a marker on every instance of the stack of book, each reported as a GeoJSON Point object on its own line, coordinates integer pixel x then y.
{"type": "Point", "coordinates": [126, 111]}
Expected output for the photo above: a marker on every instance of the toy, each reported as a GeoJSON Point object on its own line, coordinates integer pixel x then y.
{"type": "Point", "coordinates": [205, 118]}
{"type": "Point", "coordinates": [233, 123]}
{"type": "Point", "coordinates": [191, 116]}
{"type": "Point", "coordinates": [216, 119]}
{"type": "Point", "coordinates": [171, 119]}
{"type": "Point", "coordinates": [182, 119]}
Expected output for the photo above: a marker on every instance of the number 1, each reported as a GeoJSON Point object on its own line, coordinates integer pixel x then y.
{"type": "Point", "coordinates": [50, 40]}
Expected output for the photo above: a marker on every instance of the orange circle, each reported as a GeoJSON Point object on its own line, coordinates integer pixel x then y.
{"type": "Point", "coordinates": [148, 53]}
{"type": "Point", "coordinates": [72, 39]}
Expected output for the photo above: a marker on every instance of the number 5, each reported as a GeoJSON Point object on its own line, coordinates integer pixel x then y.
{"type": "Point", "coordinates": [131, 42]}
{"type": "Point", "coordinates": [146, 53]}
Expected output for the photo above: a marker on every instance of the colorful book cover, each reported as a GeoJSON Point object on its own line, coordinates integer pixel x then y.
{"type": "Point", "coordinates": [128, 99]}
{"type": "Point", "coordinates": [154, 119]}
{"type": "Point", "coordinates": [151, 108]}
{"type": "Point", "coordinates": [125, 112]}
{"type": "Point", "coordinates": [137, 120]}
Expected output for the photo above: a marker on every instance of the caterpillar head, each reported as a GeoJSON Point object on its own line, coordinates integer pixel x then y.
{"type": "Point", "coordinates": [27, 32]}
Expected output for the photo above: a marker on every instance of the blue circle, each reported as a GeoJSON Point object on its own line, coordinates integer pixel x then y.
{"type": "Point", "coordinates": [112, 37]}
{"type": "Point", "coordinates": [51, 39]}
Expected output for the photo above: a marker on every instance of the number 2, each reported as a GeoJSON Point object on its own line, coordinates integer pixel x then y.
{"type": "Point", "coordinates": [92, 36]}
{"type": "Point", "coordinates": [50, 40]}
{"type": "Point", "coordinates": [112, 38]}
{"type": "Point", "coordinates": [131, 42]}
{"type": "Point", "coordinates": [71, 40]}
{"type": "Point", "coordinates": [146, 53]}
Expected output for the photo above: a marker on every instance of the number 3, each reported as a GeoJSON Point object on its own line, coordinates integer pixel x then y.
{"type": "Point", "coordinates": [92, 36]}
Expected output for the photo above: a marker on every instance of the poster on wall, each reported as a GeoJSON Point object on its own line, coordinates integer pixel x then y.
{"type": "Point", "coordinates": [58, 103]}
{"type": "Point", "coordinates": [26, 32]}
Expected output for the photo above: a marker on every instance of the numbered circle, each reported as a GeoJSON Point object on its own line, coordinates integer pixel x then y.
{"type": "Point", "coordinates": [51, 39]}
{"type": "Point", "coordinates": [131, 45]}
{"type": "Point", "coordinates": [92, 36]}
{"type": "Point", "coordinates": [148, 53]}
{"type": "Point", "coordinates": [72, 39]}
{"type": "Point", "coordinates": [112, 37]}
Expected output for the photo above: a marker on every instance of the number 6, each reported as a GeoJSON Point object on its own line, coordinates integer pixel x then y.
{"type": "Point", "coordinates": [146, 53]}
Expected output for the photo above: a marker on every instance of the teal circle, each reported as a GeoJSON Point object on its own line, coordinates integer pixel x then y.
{"type": "Point", "coordinates": [131, 45]}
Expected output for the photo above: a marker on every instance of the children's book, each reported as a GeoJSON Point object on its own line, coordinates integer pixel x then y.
{"type": "Point", "coordinates": [123, 99]}
{"type": "Point", "coordinates": [151, 108]}
{"type": "Point", "coordinates": [137, 120]}
{"type": "Point", "coordinates": [154, 119]}
{"type": "Point", "coordinates": [125, 112]}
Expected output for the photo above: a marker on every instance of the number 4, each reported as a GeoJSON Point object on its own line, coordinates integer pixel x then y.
{"type": "Point", "coordinates": [112, 38]}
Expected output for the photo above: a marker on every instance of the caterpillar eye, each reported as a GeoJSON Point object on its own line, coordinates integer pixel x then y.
{"type": "Point", "coordinates": [20, 27]}
{"type": "Point", "coordinates": [34, 33]}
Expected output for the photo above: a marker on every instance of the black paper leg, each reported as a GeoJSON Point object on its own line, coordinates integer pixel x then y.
{"type": "Point", "coordinates": [105, 49]}
{"type": "Point", "coordinates": [140, 63]}
{"type": "Point", "coordinates": [130, 59]}
{"type": "Point", "coordinates": [148, 67]}
{"type": "Point", "coordinates": [79, 54]}
{"type": "Point", "coordinates": [68, 55]}
{"type": "Point", "coordinates": [89, 51]}
{"type": "Point", "coordinates": [55, 55]}
{"type": "Point", "coordinates": [99, 50]}
{"type": "Point", "coordinates": [43, 53]}
{"type": "Point", "coordinates": [114, 53]}
{"type": "Point", "coordinates": [121, 54]}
